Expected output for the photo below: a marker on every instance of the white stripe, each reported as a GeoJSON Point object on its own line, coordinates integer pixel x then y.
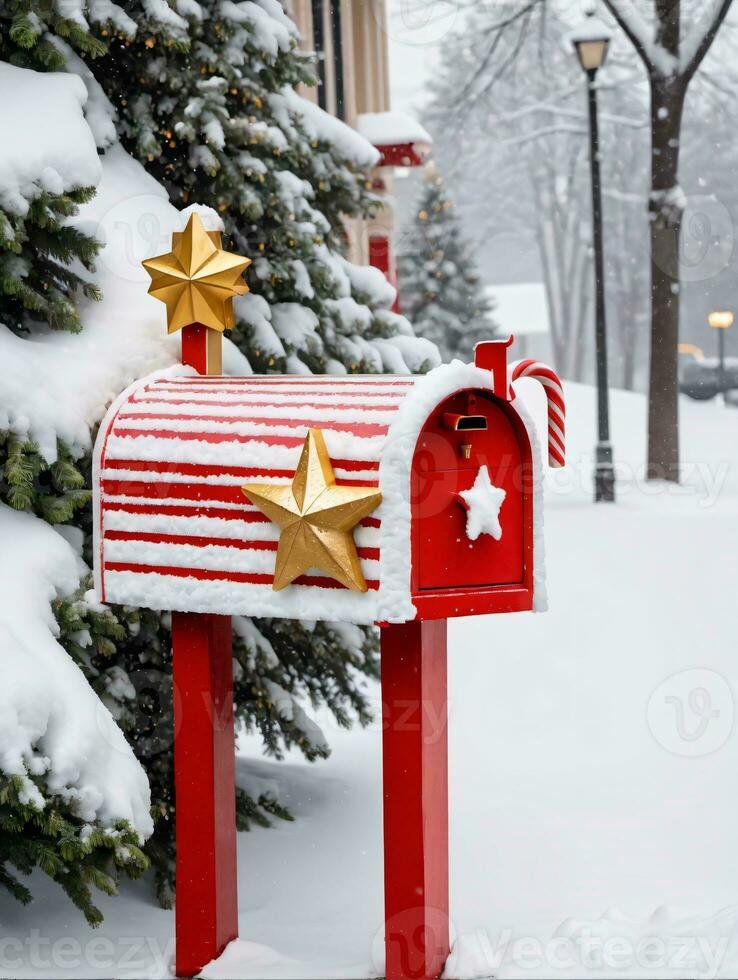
{"type": "Point", "coordinates": [341, 445]}
{"type": "Point", "coordinates": [109, 498]}
{"type": "Point", "coordinates": [559, 432]}
{"type": "Point", "coordinates": [213, 527]}
{"type": "Point", "coordinates": [245, 507]}
{"type": "Point", "coordinates": [194, 424]}
{"type": "Point", "coordinates": [229, 412]}
{"type": "Point", "coordinates": [211, 557]}
{"type": "Point", "coordinates": [555, 443]}
{"type": "Point", "coordinates": [195, 595]}
{"type": "Point", "coordinates": [223, 480]}
{"type": "Point", "coordinates": [306, 380]}
{"type": "Point", "coordinates": [550, 383]}
{"type": "Point", "coordinates": [277, 391]}
{"type": "Point", "coordinates": [533, 369]}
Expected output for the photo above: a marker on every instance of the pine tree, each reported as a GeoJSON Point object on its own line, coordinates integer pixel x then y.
{"type": "Point", "coordinates": [219, 123]}
{"type": "Point", "coordinates": [37, 289]}
{"type": "Point", "coordinates": [206, 101]}
{"type": "Point", "coordinates": [441, 291]}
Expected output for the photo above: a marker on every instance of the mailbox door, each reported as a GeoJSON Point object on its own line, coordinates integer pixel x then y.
{"type": "Point", "coordinates": [445, 561]}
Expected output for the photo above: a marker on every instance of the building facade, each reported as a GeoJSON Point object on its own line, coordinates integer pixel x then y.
{"type": "Point", "coordinates": [350, 40]}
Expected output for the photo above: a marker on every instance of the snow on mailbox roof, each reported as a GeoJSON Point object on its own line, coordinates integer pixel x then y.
{"type": "Point", "coordinates": [173, 529]}
{"type": "Point", "coordinates": [390, 128]}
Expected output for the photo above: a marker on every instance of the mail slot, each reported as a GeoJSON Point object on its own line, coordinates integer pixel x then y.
{"type": "Point", "coordinates": [463, 423]}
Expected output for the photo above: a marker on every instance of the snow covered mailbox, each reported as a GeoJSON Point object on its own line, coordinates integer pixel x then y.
{"type": "Point", "coordinates": [395, 500]}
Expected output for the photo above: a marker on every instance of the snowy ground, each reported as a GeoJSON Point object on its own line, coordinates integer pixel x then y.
{"type": "Point", "coordinates": [593, 767]}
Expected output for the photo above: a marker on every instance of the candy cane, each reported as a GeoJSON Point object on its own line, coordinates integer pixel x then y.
{"type": "Point", "coordinates": [556, 405]}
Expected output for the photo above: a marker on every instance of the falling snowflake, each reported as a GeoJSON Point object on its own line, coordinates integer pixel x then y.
{"type": "Point", "coordinates": [483, 502]}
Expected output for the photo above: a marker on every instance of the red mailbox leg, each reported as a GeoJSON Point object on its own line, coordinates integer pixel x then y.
{"type": "Point", "coordinates": [415, 760]}
{"type": "Point", "coordinates": [204, 772]}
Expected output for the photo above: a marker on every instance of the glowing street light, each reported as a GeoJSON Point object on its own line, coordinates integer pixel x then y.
{"type": "Point", "coordinates": [721, 321]}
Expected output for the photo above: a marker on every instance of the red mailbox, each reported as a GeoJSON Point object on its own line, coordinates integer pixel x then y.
{"type": "Point", "coordinates": [394, 500]}
{"type": "Point", "coordinates": [174, 530]}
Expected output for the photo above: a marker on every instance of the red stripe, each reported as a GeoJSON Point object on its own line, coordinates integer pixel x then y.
{"type": "Point", "coordinates": [163, 490]}
{"type": "Point", "coordinates": [554, 437]}
{"type": "Point", "coordinates": [221, 513]}
{"type": "Point", "coordinates": [209, 575]}
{"type": "Point", "coordinates": [176, 491]}
{"type": "Point", "coordinates": [99, 556]}
{"type": "Point", "coordinates": [355, 428]}
{"type": "Point", "coordinates": [198, 541]}
{"type": "Point", "coordinates": [206, 469]}
{"type": "Point", "coordinates": [555, 396]}
{"type": "Point", "coordinates": [541, 371]}
{"type": "Point", "coordinates": [360, 406]}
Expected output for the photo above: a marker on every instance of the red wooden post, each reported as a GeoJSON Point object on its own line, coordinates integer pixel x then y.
{"type": "Point", "coordinates": [202, 349]}
{"type": "Point", "coordinates": [204, 771]}
{"type": "Point", "coordinates": [415, 778]}
{"type": "Point", "coordinates": [206, 907]}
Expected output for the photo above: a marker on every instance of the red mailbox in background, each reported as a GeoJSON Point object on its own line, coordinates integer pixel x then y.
{"type": "Point", "coordinates": [394, 500]}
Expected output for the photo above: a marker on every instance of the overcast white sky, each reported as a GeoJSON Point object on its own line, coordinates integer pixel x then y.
{"type": "Point", "coordinates": [416, 31]}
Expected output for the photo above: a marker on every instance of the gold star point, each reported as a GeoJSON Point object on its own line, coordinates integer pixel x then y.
{"type": "Point", "coordinates": [316, 518]}
{"type": "Point", "coordinates": [197, 280]}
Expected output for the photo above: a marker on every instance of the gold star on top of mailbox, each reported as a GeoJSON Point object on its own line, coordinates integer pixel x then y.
{"type": "Point", "coordinates": [316, 518]}
{"type": "Point", "coordinates": [197, 280]}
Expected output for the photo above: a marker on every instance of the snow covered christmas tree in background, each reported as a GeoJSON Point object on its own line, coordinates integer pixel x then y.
{"type": "Point", "coordinates": [203, 95]}
{"type": "Point", "coordinates": [441, 291]}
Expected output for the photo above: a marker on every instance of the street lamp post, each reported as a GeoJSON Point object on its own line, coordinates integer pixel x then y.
{"type": "Point", "coordinates": [591, 42]}
{"type": "Point", "coordinates": [721, 322]}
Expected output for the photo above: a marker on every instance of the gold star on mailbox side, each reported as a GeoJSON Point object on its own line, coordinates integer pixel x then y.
{"type": "Point", "coordinates": [316, 518]}
{"type": "Point", "coordinates": [197, 280]}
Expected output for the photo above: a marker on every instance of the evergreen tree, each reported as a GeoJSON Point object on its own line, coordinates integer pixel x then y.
{"type": "Point", "coordinates": [204, 98]}
{"type": "Point", "coordinates": [37, 289]}
{"type": "Point", "coordinates": [219, 123]}
{"type": "Point", "coordinates": [441, 290]}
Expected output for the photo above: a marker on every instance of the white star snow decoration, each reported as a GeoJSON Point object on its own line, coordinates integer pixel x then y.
{"type": "Point", "coordinates": [483, 501]}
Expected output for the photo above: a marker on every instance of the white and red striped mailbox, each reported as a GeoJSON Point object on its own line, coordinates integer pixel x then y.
{"type": "Point", "coordinates": [260, 496]}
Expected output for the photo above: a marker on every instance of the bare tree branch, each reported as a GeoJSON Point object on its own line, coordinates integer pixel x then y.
{"type": "Point", "coordinates": [693, 59]}
{"type": "Point", "coordinates": [523, 33]}
{"type": "Point", "coordinates": [632, 34]}
{"type": "Point", "coordinates": [497, 31]}
{"type": "Point", "coordinates": [500, 25]}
